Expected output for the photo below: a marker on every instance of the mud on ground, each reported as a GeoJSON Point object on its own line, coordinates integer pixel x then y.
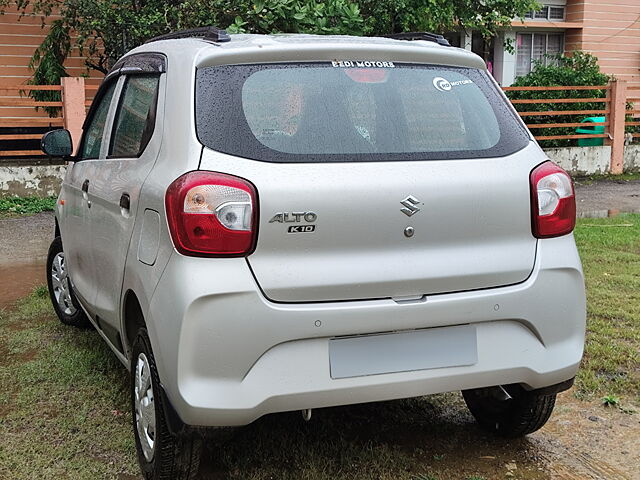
{"type": "Point", "coordinates": [607, 195]}
{"type": "Point", "coordinates": [24, 242]}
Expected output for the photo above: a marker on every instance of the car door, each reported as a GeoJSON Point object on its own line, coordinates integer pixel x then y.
{"type": "Point", "coordinates": [76, 196]}
{"type": "Point", "coordinates": [134, 143]}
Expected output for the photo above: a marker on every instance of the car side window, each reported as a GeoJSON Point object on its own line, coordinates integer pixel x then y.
{"type": "Point", "coordinates": [92, 139]}
{"type": "Point", "coordinates": [135, 117]}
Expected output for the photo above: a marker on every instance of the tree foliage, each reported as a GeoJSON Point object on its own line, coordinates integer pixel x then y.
{"type": "Point", "coordinates": [276, 16]}
{"type": "Point", "coordinates": [579, 69]}
{"type": "Point", "coordinates": [104, 30]}
{"type": "Point", "coordinates": [47, 63]}
{"type": "Point", "coordinates": [484, 16]}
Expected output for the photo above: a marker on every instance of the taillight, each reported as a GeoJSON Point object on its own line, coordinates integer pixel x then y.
{"type": "Point", "coordinates": [212, 215]}
{"type": "Point", "coordinates": [553, 201]}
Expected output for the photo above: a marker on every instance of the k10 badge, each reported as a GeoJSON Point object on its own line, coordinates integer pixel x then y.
{"type": "Point", "coordinates": [301, 229]}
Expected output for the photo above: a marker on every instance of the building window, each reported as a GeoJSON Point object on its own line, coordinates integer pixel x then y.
{"type": "Point", "coordinates": [542, 13]}
{"type": "Point", "coordinates": [556, 13]}
{"type": "Point", "coordinates": [532, 48]}
{"type": "Point", "coordinates": [547, 12]}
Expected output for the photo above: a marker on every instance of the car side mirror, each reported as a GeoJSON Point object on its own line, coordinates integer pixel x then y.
{"type": "Point", "coordinates": [57, 143]}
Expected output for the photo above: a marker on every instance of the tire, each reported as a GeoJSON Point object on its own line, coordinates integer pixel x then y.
{"type": "Point", "coordinates": [161, 455]}
{"type": "Point", "coordinates": [61, 292]}
{"type": "Point", "coordinates": [522, 414]}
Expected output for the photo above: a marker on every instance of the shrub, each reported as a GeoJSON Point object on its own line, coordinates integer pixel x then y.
{"type": "Point", "coordinates": [580, 69]}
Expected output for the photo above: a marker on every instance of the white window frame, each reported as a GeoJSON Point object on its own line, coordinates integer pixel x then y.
{"type": "Point", "coordinates": [564, 13]}
{"type": "Point", "coordinates": [536, 14]}
{"type": "Point", "coordinates": [544, 59]}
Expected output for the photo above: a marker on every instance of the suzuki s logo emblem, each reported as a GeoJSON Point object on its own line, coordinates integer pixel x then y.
{"type": "Point", "coordinates": [410, 207]}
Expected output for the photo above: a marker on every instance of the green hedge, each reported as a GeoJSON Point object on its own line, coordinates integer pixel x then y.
{"type": "Point", "coordinates": [581, 69]}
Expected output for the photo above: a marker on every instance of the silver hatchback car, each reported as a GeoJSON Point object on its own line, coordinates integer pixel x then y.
{"type": "Point", "coordinates": [258, 224]}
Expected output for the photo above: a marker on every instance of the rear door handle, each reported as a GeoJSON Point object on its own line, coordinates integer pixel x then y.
{"type": "Point", "coordinates": [125, 201]}
{"type": "Point", "coordinates": [85, 186]}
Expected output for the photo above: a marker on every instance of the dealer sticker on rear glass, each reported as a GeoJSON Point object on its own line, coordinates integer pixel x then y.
{"type": "Point", "coordinates": [361, 64]}
{"type": "Point", "coordinates": [444, 85]}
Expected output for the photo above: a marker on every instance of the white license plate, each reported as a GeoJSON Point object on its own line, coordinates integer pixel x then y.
{"type": "Point", "coordinates": [403, 352]}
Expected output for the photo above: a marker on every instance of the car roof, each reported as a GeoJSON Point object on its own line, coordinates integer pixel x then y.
{"type": "Point", "coordinates": [251, 48]}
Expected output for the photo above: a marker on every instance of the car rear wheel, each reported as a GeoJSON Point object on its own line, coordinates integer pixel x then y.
{"type": "Point", "coordinates": [61, 291]}
{"type": "Point", "coordinates": [161, 454]}
{"type": "Point", "coordinates": [509, 411]}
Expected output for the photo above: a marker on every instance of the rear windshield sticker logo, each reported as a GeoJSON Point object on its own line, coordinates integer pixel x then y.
{"type": "Point", "coordinates": [444, 85]}
{"type": "Point", "coordinates": [441, 84]}
{"type": "Point", "coordinates": [361, 64]}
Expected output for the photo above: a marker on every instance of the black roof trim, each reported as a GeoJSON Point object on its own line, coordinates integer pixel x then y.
{"type": "Point", "coordinates": [211, 33]}
{"type": "Point", "coordinates": [428, 36]}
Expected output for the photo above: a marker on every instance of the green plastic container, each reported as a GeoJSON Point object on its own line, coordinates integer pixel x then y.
{"type": "Point", "coordinates": [591, 129]}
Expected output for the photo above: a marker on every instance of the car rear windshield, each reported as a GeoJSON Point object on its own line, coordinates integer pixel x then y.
{"type": "Point", "coordinates": [353, 111]}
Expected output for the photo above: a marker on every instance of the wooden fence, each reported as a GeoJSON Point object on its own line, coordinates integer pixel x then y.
{"type": "Point", "coordinates": [606, 110]}
{"type": "Point", "coordinates": [633, 98]}
{"type": "Point", "coordinates": [617, 116]}
{"type": "Point", "coordinates": [76, 97]}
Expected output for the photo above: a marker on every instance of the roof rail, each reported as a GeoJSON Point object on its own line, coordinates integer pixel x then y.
{"type": "Point", "coordinates": [213, 34]}
{"type": "Point", "coordinates": [428, 36]}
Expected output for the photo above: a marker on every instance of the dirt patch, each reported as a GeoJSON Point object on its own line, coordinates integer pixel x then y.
{"type": "Point", "coordinates": [434, 438]}
{"type": "Point", "coordinates": [19, 279]}
{"type": "Point", "coordinates": [26, 238]}
{"type": "Point", "coordinates": [607, 195]}
{"type": "Point", "coordinates": [8, 358]}
{"type": "Point", "coordinates": [24, 242]}
{"type": "Point", "coordinates": [27, 356]}
{"type": "Point", "coordinates": [17, 326]}
{"type": "Point", "coordinates": [594, 441]}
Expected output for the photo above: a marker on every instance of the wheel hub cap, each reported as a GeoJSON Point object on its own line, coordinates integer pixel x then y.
{"type": "Point", "coordinates": [145, 407]}
{"type": "Point", "coordinates": [61, 286]}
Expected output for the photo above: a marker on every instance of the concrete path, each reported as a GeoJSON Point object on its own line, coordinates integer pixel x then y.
{"type": "Point", "coordinates": [607, 195]}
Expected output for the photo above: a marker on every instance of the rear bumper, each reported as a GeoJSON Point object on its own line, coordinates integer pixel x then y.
{"type": "Point", "coordinates": [227, 355]}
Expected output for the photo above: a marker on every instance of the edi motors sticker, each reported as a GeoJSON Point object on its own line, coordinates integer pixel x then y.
{"type": "Point", "coordinates": [444, 85]}
{"type": "Point", "coordinates": [361, 64]}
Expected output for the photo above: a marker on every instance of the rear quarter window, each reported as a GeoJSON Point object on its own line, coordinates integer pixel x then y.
{"type": "Point", "coordinates": [319, 112]}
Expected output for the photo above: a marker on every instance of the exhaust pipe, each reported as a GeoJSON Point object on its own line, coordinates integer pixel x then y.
{"type": "Point", "coordinates": [306, 414]}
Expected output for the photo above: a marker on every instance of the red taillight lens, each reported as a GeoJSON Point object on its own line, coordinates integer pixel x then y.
{"type": "Point", "coordinates": [553, 201]}
{"type": "Point", "coordinates": [212, 214]}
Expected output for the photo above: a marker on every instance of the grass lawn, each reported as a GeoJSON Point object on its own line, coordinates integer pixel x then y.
{"type": "Point", "coordinates": [624, 177]}
{"type": "Point", "coordinates": [64, 399]}
{"type": "Point", "coordinates": [610, 252]}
